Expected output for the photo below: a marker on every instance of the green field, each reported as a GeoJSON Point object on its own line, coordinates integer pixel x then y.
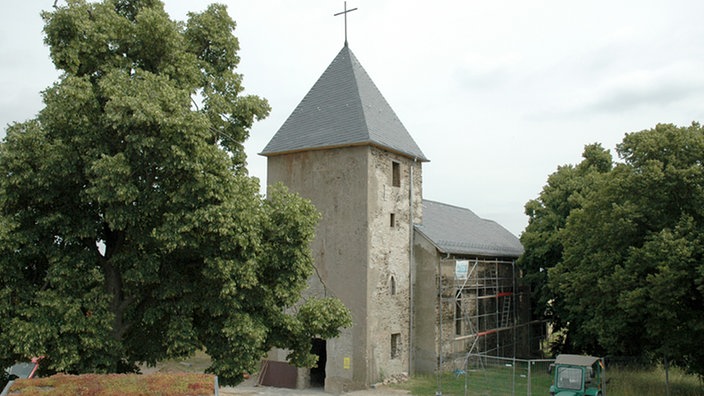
{"type": "Point", "coordinates": [652, 382]}
{"type": "Point", "coordinates": [498, 381]}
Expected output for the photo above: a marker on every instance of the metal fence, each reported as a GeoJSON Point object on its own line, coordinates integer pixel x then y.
{"type": "Point", "coordinates": [484, 375]}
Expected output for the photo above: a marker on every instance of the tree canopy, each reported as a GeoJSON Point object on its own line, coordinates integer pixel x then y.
{"type": "Point", "coordinates": [548, 214]}
{"type": "Point", "coordinates": [130, 231]}
{"type": "Point", "coordinates": [627, 277]}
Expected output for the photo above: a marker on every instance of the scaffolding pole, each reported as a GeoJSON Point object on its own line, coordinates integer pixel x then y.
{"type": "Point", "coordinates": [484, 305]}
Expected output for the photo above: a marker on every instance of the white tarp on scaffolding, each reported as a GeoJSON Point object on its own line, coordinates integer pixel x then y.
{"type": "Point", "coordinates": [461, 269]}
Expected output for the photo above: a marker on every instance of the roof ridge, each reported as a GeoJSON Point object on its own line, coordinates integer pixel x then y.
{"type": "Point", "coordinates": [350, 57]}
{"type": "Point", "coordinates": [456, 207]}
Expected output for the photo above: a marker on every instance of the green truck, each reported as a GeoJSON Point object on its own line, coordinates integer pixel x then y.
{"type": "Point", "coordinates": [577, 375]}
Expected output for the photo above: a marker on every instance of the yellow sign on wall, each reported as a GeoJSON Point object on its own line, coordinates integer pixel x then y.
{"type": "Point", "coordinates": [346, 363]}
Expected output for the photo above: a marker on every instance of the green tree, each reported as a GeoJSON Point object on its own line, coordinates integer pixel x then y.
{"type": "Point", "coordinates": [631, 278]}
{"type": "Point", "coordinates": [547, 217]}
{"type": "Point", "coordinates": [129, 229]}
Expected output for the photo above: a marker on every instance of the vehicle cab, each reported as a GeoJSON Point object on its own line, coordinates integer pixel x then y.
{"type": "Point", "coordinates": [577, 375]}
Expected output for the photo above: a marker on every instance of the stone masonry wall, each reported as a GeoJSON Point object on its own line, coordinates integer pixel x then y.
{"type": "Point", "coordinates": [359, 253]}
{"type": "Point", "coordinates": [389, 262]}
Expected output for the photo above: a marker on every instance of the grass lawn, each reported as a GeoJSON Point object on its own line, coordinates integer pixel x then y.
{"type": "Point", "coordinates": [493, 383]}
{"type": "Point", "coordinates": [497, 382]}
{"type": "Point", "coordinates": [627, 382]}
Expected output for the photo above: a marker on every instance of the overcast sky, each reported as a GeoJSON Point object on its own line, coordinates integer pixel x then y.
{"type": "Point", "coordinates": [497, 94]}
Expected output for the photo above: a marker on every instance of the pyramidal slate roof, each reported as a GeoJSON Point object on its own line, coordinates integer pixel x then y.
{"type": "Point", "coordinates": [455, 230]}
{"type": "Point", "coordinates": [344, 108]}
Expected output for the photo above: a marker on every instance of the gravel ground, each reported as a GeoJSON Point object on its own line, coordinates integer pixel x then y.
{"type": "Point", "coordinates": [198, 363]}
{"type": "Point", "coordinates": [241, 390]}
{"type": "Point", "coordinates": [250, 388]}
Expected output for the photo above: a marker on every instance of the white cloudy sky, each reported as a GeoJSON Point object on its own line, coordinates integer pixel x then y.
{"type": "Point", "coordinates": [496, 93]}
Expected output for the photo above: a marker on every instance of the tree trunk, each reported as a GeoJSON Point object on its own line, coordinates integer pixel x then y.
{"type": "Point", "coordinates": [113, 282]}
{"type": "Point", "coordinates": [667, 376]}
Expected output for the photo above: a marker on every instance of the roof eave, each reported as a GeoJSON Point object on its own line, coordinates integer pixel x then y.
{"type": "Point", "coordinates": [480, 253]}
{"type": "Point", "coordinates": [467, 252]}
{"type": "Point", "coordinates": [336, 146]}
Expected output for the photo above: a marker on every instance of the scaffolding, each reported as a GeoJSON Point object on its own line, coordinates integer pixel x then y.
{"type": "Point", "coordinates": [479, 300]}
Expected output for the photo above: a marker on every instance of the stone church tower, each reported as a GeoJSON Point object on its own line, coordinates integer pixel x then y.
{"type": "Point", "coordinates": [345, 149]}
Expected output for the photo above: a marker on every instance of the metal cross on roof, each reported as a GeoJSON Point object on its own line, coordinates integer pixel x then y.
{"type": "Point", "coordinates": [345, 14]}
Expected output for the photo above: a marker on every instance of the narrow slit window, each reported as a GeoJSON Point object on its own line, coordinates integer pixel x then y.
{"type": "Point", "coordinates": [392, 220]}
{"type": "Point", "coordinates": [392, 285]}
{"type": "Point", "coordinates": [395, 345]}
{"type": "Point", "coordinates": [458, 316]}
{"type": "Point", "coordinates": [395, 174]}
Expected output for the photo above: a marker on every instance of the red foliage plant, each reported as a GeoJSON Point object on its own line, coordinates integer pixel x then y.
{"type": "Point", "coordinates": [172, 384]}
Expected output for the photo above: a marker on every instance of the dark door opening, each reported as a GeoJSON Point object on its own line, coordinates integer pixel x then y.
{"type": "Point", "coordinates": [317, 373]}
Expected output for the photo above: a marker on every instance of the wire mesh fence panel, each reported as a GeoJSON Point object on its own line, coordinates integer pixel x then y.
{"type": "Point", "coordinates": [482, 375]}
{"type": "Point", "coordinates": [539, 377]}
{"type": "Point", "coordinates": [489, 376]}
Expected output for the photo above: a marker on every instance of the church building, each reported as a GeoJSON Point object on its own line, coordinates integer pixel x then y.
{"type": "Point", "coordinates": [408, 269]}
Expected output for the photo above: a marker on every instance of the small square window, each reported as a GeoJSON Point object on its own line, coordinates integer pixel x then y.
{"type": "Point", "coordinates": [395, 174]}
{"type": "Point", "coordinates": [395, 345]}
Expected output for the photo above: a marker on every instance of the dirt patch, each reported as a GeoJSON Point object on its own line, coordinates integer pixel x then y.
{"type": "Point", "coordinates": [200, 361]}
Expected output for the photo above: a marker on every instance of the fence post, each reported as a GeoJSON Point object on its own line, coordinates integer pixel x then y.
{"type": "Point", "coordinates": [530, 379]}
{"type": "Point", "coordinates": [513, 391]}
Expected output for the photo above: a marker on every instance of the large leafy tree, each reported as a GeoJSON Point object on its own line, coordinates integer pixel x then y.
{"type": "Point", "coordinates": [547, 217]}
{"type": "Point", "coordinates": [630, 280]}
{"type": "Point", "coordinates": [129, 229]}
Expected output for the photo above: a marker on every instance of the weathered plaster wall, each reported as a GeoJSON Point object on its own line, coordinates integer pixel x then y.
{"type": "Point", "coordinates": [450, 347]}
{"type": "Point", "coordinates": [358, 251]}
{"type": "Point", "coordinates": [425, 306]}
{"type": "Point", "coordinates": [336, 182]}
